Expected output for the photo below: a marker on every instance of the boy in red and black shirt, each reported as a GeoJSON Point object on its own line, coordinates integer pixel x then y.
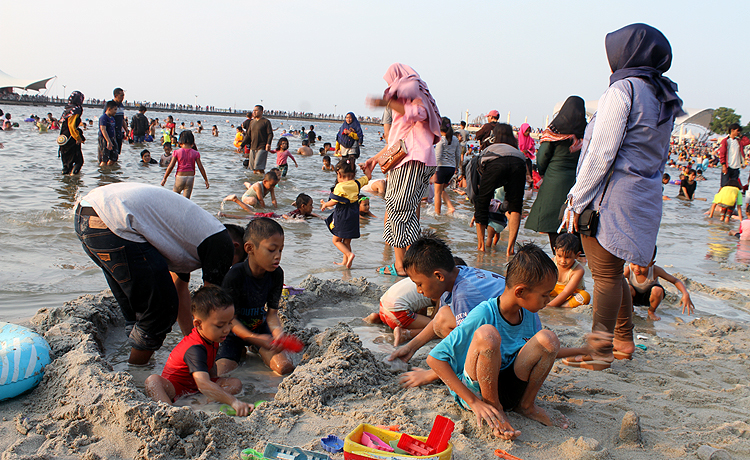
{"type": "Point", "coordinates": [191, 366]}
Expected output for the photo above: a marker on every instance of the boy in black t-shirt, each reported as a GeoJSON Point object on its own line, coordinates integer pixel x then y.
{"type": "Point", "coordinates": [255, 285]}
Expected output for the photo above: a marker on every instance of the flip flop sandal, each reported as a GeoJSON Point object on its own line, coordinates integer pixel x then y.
{"type": "Point", "coordinates": [391, 270]}
{"type": "Point", "coordinates": [587, 363]}
{"type": "Point", "coordinates": [622, 355]}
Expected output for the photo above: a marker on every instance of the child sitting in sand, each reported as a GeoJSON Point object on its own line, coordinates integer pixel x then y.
{"type": "Point", "coordinates": [364, 207]}
{"type": "Point", "coordinates": [646, 290]}
{"type": "Point", "coordinates": [185, 158]}
{"type": "Point", "coordinates": [404, 310]}
{"type": "Point", "coordinates": [255, 194]}
{"type": "Point", "coordinates": [327, 166]}
{"type": "Point", "coordinates": [166, 158]}
{"type": "Point", "coordinates": [489, 382]}
{"type": "Point", "coordinates": [569, 290]}
{"type": "Point", "coordinates": [255, 287]}
{"type": "Point", "coordinates": [344, 221]}
{"type": "Point", "coordinates": [727, 199]}
{"type": "Point", "coordinates": [191, 366]}
{"type": "Point", "coordinates": [304, 205]}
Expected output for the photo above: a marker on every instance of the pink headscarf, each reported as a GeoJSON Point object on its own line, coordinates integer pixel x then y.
{"type": "Point", "coordinates": [404, 83]}
{"type": "Point", "coordinates": [526, 143]}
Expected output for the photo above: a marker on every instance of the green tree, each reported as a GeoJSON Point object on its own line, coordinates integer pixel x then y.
{"type": "Point", "coordinates": [722, 118]}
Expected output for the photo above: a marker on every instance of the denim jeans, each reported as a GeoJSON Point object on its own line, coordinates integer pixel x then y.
{"type": "Point", "coordinates": [139, 139]}
{"type": "Point", "coordinates": [139, 278]}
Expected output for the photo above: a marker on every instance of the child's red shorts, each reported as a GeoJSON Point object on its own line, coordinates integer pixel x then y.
{"type": "Point", "coordinates": [394, 319]}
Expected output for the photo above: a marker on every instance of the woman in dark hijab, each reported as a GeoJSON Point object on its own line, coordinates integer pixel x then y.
{"type": "Point", "coordinates": [71, 136]}
{"type": "Point", "coordinates": [619, 175]}
{"type": "Point", "coordinates": [349, 137]}
{"type": "Point", "coordinates": [557, 159]}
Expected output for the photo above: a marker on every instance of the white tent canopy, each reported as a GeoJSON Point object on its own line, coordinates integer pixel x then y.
{"type": "Point", "coordinates": [6, 81]}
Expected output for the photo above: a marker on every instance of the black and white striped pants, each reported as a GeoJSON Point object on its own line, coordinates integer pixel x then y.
{"type": "Point", "coordinates": [404, 190]}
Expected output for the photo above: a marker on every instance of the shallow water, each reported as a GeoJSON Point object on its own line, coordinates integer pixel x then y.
{"type": "Point", "coordinates": [43, 264]}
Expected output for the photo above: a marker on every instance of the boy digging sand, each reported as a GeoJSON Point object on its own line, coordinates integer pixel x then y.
{"type": "Point", "coordinates": [190, 367]}
{"type": "Point", "coordinates": [255, 286]}
{"type": "Point", "coordinates": [499, 356]}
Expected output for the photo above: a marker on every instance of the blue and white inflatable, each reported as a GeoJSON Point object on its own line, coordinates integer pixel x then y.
{"type": "Point", "coordinates": [23, 356]}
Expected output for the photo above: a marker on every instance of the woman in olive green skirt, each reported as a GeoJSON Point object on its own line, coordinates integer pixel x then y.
{"type": "Point", "coordinates": [557, 160]}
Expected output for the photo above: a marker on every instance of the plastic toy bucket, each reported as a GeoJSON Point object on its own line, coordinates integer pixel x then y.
{"type": "Point", "coordinates": [353, 450]}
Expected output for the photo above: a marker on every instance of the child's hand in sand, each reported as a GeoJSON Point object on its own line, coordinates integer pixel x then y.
{"type": "Point", "coordinates": [417, 377]}
{"type": "Point", "coordinates": [403, 353]}
{"type": "Point", "coordinates": [242, 408]}
{"type": "Point", "coordinates": [496, 419]}
{"type": "Point", "coordinates": [687, 304]}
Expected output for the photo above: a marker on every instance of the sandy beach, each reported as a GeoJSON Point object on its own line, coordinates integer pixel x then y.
{"type": "Point", "coordinates": [688, 389]}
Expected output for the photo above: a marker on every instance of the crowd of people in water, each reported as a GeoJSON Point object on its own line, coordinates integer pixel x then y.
{"type": "Point", "coordinates": [587, 175]}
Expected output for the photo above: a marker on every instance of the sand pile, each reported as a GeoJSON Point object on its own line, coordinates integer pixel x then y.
{"type": "Point", "coordinates": [689, 389]}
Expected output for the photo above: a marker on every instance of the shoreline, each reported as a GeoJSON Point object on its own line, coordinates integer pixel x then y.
{"type": "Point", "coordinates": [238, 114]}
{"type": "Point", "coordinates": [686, 390]}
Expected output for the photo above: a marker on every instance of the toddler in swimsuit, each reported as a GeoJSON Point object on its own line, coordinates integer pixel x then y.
{"type": "Point", "coordinates": [570, 290]}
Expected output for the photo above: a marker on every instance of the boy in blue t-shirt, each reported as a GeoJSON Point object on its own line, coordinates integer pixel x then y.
{"type": "Point", "coordinates": [107, 152]}
{"type": "Point", "coordinates": [488, 382]}
{"type": "Point", "coordinates": [457, 289]}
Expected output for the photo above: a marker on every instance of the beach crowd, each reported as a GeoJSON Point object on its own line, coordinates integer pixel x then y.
{"type": "Point", "coordinates": [598, 182]}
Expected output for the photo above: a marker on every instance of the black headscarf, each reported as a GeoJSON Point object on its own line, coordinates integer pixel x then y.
{"type": "Point", "coordinates": [571, 119]}
{"type": "Point", "coordinates": [74, 106]}
{"type": "Point", "coordinates": [639, 50]}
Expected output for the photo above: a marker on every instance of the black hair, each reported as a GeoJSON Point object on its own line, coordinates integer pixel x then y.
{"type": "Point", "coordinates": [691, 171]}
{"type": "Point", "coordinates": [666, 176]}
{"type": "Point", "coordinates": [504, 135]}
{"type": "Point", "coordinates": [568, 243]}
{"type": "Point", "coordinates": [142, 108]}
{"type": "Point", "coordinates": [346, 165]}
{"type": "Point", "coordinates": [326, 143]}
{"type": "Point", "coordinates": [530, 266]}
{"type": "Point", "coordinates": [261, 229]}
{"type": "Point", "coordinates": [312, 127]}
{"type": "Point", "coordinates": [117, 91]}
{"type": "Point", "coordinates": [271, 176]}
{"type": "Point", "coordinates": [305, 142]}
{"type": "Point", "coordinates": [463, 124]}
{"type": "Point", "coordinates": [654, 256]}
{"type": "Point", "coordinates": [259, 106]}
{"type": "Point", "coordinates": [110, 105]}
{"type": "Point", "coordinates": [282, 139]}
{"type": "Point", "coordinates": [447, 128]}
{"type": "Point", "coordinates": [187, 138]}
{"type": "Point", "coordinates": [249, 114]}
{"type": "Point", "coordinates": [733, 126]}
{"type": "Point", "coordinates": [326, 157]}
{"type": "Point", "coordinates": [237, 234]}
{"type": "Point", "coordinates": [427, 254]}
{"type": "Point", "coordinates": [208, 299]}
{"type": "Point", "coordinates": [145, 151]}
{"type": "Point", "coordinates": [302, 199]}
{"type": "Point", "coordinates": [459, 261]}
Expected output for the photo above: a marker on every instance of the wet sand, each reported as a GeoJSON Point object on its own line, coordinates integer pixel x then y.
{"type": "Point", "coordinates": [690, 388]}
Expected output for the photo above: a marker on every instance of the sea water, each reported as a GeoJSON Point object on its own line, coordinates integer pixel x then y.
{"type": "Point", "coordinates": [43, 264]}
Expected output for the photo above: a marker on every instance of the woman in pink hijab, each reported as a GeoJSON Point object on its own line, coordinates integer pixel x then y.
{"type": "Point", "coordinates": [416, 120]}
{"type": "Point", "coordinates": [526, 145]}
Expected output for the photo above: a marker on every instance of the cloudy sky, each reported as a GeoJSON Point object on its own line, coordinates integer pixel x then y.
{"type": "Point", "coordinates": [520, 57]}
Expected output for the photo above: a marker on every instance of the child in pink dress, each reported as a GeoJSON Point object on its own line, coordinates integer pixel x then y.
{"type": "Point", "coordinates": [282, 154]}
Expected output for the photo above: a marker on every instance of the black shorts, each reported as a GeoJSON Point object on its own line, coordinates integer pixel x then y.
{"type": "Point", "coordinates": [643, 299]}
{"type": "Point", "coordinates": [444, 174]}
{"type": "Point", "coordinates": [233, 348]}
{"type": "Point", "coordinates": [106, 155]}
{"type": "Point", "coordinates": [216, 253]}
{"type": "Point", "coordinates": [510, 388]}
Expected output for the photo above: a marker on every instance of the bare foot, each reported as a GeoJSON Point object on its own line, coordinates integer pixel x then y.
{"type": "Point", "coordinates": [231, 198]}
{"type": "Point", "coordinates": [541, 416]}
{"type": "Point", "coordinates": [653, 316]}
{"type": "Point", "coordinates": [349, 260]}
{"type": "Point", "coordinates": [417, 377]}
{"type": "Point", "coordinates": [397, 335]}
{"type": "Point", "coordinates": [480, 247]}
{"type": "Point", "coordinates": [372, 318]}
{"type": "Point", "coordinates": [624, 346]}
{"type": "Point", "coordinates": [505, 431]}
{"type": "Point", "coordinates": [451, 210]}
{"type": "Point", "coordinates": [247, 184]}
{"type": "Point", "coordinates": [510, 251]}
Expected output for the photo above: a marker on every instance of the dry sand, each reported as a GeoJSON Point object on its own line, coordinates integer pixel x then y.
{"type": "Point", "coordinates": [690, 388]}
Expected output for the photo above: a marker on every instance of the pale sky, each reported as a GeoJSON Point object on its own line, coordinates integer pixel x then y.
{"type": "Point", "coordinates": [514, 56]}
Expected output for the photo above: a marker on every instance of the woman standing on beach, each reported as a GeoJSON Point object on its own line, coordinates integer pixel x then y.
{"type": "Point", "coordinates": [627, 141]}
{"type": "Point", "coordinates": [349, 137]}
{"type": "Point", "coordinates": [557, 160]}
{"type": "Point", "coordinates": [416, 121]}
{"type": "Point", "coordinates": [70, 151]}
